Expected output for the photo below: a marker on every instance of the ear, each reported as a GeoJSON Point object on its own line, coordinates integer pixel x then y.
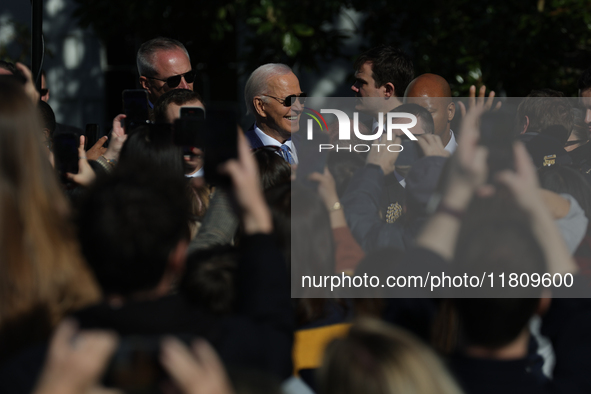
{"type": "Point", "coordinates": [525, 124]}
{"type": "Point", "coordinates": [451, 111]}
{"type": "Point", "coordinates": [144, 83]}
{"type": "Point", "coordinates": [259, 107]}
{"type": "Point", "coordinates": [389, 90]}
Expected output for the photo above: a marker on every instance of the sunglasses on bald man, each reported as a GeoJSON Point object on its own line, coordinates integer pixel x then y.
{"type": "Point", "coordinates": [175, 80]}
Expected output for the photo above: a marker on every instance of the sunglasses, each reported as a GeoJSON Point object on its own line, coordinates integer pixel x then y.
{"type": "Point", "coordinates": [175, 80]}
{"type": "Point", "coordinates": [287, 102]}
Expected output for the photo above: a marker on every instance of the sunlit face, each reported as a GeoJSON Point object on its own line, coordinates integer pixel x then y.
{"type": "Point", "coordinates": [284, 120]}
{"type": "Point", "coordinates": [586, 103]}
{"type": "Point", "coordinates": [440, 109]}
{"type": "Point", "coordinates": [372, 99]}
{"type": "Point", "coordinates": [167, 64]}
{"type": "Point", "coordinates": [365, 85]}
{"type": "Point", "coordinates": [173, 111]}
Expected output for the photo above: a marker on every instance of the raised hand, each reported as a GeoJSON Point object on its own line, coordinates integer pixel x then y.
{"type": "Point", "coordinates": [432, 145]}
{"type": "Point", "coordinates": [379, 154]}
{"type": "Point", "coordinates": [473, 102]}
{"type": "Point", "coordinates": [97, 149]}
{"type": "Point", "coordinates": [196, 372]}
{"type": "Point", "coordinates": [76, 360]}
{"type": "Point", "coordinates": [247, 189]}
{"type": "Point", "coordinates": [85, 175]}
{"type": "Point", "coordinates": [118, 137]}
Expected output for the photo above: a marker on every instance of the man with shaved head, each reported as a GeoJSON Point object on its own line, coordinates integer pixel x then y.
{"type": "Point", "coordinates": [433, 93]}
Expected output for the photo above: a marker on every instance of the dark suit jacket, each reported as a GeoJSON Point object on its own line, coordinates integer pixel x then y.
{"type": "Point", "coordinates": [253, 138]}
{"type": "Point", "coordinates": [255, 141]}
{"type": "Point", "coordinates": [362, 202]}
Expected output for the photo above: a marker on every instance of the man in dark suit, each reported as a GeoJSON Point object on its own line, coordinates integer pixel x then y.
{"type": "Point", "coordinates": [383, 72]}
{"type": "Point", "coordinates": [273, 95]}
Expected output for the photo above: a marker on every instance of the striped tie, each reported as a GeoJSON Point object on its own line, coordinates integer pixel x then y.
{"type": "Point", "coordinates": [287, 154]}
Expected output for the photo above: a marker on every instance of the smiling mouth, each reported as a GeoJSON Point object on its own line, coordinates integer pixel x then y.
{"type": "Point", "coordinates": [291, 118]}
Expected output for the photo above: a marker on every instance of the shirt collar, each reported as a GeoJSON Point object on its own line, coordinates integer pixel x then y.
{"type": "Point", "coordinates": [452, 144]}
{"type": "Point", "coordinates": [270, 141]}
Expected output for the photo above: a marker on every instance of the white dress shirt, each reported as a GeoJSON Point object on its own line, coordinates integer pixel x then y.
{"type": "Point", "coordinates": [452, 144]}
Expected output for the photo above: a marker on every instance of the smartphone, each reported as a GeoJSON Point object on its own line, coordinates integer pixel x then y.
{"type": "Point", "coordinates": [91, 135]}
{"type": "Point", "coordinates": [311, 159]}
{"type": "Point", "coordinates": [135, 367]}
{"type": "Point", "coordinates": [192, 112]}
{"type": "Point", "coordinates": [136, 109]}
{"type": "Point", "coordinates": [190, 128]}
{"type": "Point", "coordinates": [220, 144]}
{"type": "Point", "coordinates": [65, 153]}
{"type": "Point", "coordinates": [496, 133]}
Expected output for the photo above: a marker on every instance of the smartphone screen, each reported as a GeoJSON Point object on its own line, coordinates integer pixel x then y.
{"type": "Point", "coordinates": [192, 112]}
{"type": "Point", "coordinates": [190, 128]}
{"type": "Point", "coordinates": [91, 135]}
{"type": "Point", "coordinates": [136, 109]}
{"type": "Point", "coordinates": [65, 151]}
{"type": "Point", "coordinates": [220, 143]}
{"type": "Point", "coordinates": [311, 159]}
{"type": "Point", "coordinates": [496, 133]}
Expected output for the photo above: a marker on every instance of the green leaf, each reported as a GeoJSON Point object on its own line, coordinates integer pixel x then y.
{"type": "Point", "coordinates": [303, 30]}
{"type": "Point", "coordinates": [291, 44]}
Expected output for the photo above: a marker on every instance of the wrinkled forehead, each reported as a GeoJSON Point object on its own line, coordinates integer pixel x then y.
{"type": "Point", "coordinates": [284, 85]}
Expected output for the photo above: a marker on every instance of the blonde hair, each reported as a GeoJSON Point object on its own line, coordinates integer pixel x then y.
{"type": "Point", "coordinates": [42, 273]}
{"type": "Point", "coordinates": [376, 358]}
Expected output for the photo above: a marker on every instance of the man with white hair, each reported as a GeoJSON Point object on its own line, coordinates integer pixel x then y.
{"type": "Point", "coordinates": [164, 64]}
{"type": "Point", "coordinates": [274, 97]}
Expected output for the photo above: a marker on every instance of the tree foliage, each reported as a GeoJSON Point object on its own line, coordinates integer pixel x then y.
{"type": "Point", "coordinates": [512, 46]}
{"type": "Point", "coordinates": [267, 30]}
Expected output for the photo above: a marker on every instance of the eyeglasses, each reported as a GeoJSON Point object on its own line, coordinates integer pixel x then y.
{"type": "Point", "coordinates": [175, 80]}
{"type": "Point", "coordinates": [287, 102]}
{"type": "Point", "coordinates": [43, 92]}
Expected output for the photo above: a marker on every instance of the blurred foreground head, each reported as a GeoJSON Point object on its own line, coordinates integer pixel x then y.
{"type": "Point", "coordinates": [375, 358]}
{"type": "Point", "coordinates": [42, 275]}
{"type": "Point", "coordinates": [133, 230]}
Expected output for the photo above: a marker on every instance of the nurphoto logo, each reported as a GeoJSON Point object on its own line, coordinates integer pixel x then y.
{"type": "Point", "coordinates": [394, 121]}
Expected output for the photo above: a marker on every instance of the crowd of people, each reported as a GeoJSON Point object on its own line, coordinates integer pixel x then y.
{"type": "Point", "coordinates": [138, 271]}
